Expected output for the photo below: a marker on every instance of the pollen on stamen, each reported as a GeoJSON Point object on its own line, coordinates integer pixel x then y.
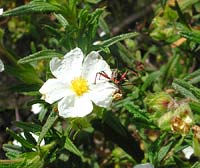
{"type": "Point", "coordinates": [80, 86]}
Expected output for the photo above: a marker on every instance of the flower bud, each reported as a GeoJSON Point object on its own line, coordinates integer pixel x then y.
{"type": "Point", "coordinates": [178, 120]}
{"type": "Point", "coordinates": [164, 121]}
{"type": "Point", "coordinates": [158, 102]}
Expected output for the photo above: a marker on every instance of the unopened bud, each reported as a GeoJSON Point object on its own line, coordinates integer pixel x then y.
{"type": "Point", "coordinates": [164, 121]}
{"type": "Point", "coordinates": [158, 102]}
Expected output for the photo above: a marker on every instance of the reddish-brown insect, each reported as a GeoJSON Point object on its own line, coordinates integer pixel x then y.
{"type": "Point", "coordinates": [116, 78]}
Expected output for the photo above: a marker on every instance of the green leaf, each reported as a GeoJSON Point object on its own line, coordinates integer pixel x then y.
{"type": "Point", "coordinates": [25, 88]}
{"type": "Point", "coordinates": [93, 1]}
{"type": "Point", "coordinates": [181, 15]}
{"type": "Point", "coordinates": [113, 40]}
{"type": "Point", "coordinates": [153, 149]}
{"type": "Point", "coordinates": [20, 139]}
{"type": "Point", "coordinates": [30, 127]}
{"type": "Point", "coordinates": [193, 77]}
{"type": "Point", "coordinates": [71, 147]}
{"type": "Point", "coordinates": [30, 138]}
{"type": "Point", "coordinates": [151, 78]}
{"type": "Point", "coordinates": [50, 121]}
{"type": "Point", "coordinates": [187, 3]}
{"type": "Point", "coordinates": [36, 6]}
{"type": "Point", "coordinates": [25, 73]}
{"type": "Point", "coordinates": [163, 151]}
{"type": "Point", "coordinates": [110, 119]}
{"type": "Point", "coordinates": [32, 160]}
{"type": "Point", "coordinates": [163, 3]}
{"type": "Point", "coordinates": [186, 89]}
{"type": "Point", "coordinates": [41, 55]}
{"type": "Point", "coordinates": [139, 115]}
{"type": "Point", "coordinates": [12, 148]}
{"type": "Point", "coordinates": [191, 35]}
{"type": "Point", "coordinates": [61, 19]}
{"type": "Point", "coordinates": [12, 151]}
{"type": "Point", "coordinates": [195, 107]}
{"type": "Point", "coordinates": [12, 163]}
{"type": "Point", "coordinates": [196, 165]}
{"type": "Point", "coordinates": [169, 69]}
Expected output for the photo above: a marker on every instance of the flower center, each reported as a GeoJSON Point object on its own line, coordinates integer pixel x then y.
{"type": "Point", "coordinates": [79, 85]}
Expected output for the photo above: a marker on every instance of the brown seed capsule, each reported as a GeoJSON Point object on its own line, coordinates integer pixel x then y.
{"type": "Point", "coordinates": [179, 125]}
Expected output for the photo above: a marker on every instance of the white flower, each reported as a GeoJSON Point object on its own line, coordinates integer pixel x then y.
{"type": "Point", "coordinates": [77, 84]}
{"type": "Point", "coordinates": [1, 66]}
{"type": "Point", "coordinates": [36, 108]}
{"type": "Point", "coordinates": [1, 11]}
{"type": "Point", "coordinates": [188, 152]}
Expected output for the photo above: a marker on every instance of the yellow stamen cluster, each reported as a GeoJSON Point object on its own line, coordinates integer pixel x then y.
{"type": "Point", "coordinates": [80, 86]}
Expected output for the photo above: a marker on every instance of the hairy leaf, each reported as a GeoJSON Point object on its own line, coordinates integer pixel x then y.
{"type": "Point", "coordinates": [71, 147]}
{"type": "Point", "coordinates": [50, 121]}
{"type": "Point", "coordinates": [113, 40]}
{"type": "Point", "coordinates": [30, 127]}
{"type": "Point", "coordinates": [186, 89]}
{"type": "Point", "coordinates": [36, 6]}
{"type": "Point", "coordinates": [41, 55]}
{"type": "Point", "coordinates": [12, 163]}
{"type": "Point", "coordinates": [20, 139]}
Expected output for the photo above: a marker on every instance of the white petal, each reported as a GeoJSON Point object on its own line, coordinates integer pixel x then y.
{"type": "Point", "coordinates": [93, 64]}
{"type": "Point", "coordinates": [36, 108]}
{"type": "Point", "coordinates": [188, 152]}
{"type": "Point", "coordinates": [68, 67]}
{"type": "Point", "coordinates": [102, 93]}
{"type": "Point", "coordinates": [53, 90]}
{"type": "Point", "coordinates": [74, 106]}
{"type": "Point", "coordinates": [1, 11]}
{"type": "Point", "coordinates": [36, 137]}
{"type": "Point", "coordinates": [1, 66]}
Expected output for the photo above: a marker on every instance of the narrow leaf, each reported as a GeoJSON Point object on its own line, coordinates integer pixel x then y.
{"type": "Point", "coordinates": [193, 77]}
{"type": "Point", "coordinates": [195, 107]}
{"type": "Point", "coordinates": [113, 40]}
{"type": "Point", "coordinates": [163, 151]}
{"type": "Point", "coordinates": [196, 165]}
{"type": "Point", "coordinates": [71, 147]}
{"type": "Point", "coordinates": [20, 139]}
{"type": "Point", "coordinates": [151, 78]}
{"type": "Point", "coordinates": [30, 127]}
{"type": "Point", "coordinates": [12, 149]}
{"type": "Point", "coordinates": [153, 149]}
{"type": "Point", "coordinates": [114, 123]}
{"type": "Point", "coordinates": [33, 7]}
{"type": "Point", "coordinates": [191, 35]}
{"type": "Point", "coordinates": [61, 19]}
{"type": "Point", "coordinates": [11, 163]}
{"type": "Point", "coordinates": [25, 73]}
{"type": "Point", "coordinates": [137, 113]}
{"type": "Point", "coordinates": [183, 91]}
{"type": "Point", "coordinates": [50, 121]}
{"type": "Point", "coordinates": [186, 89]}
{"type": "Point", "coordinates": [41, 55]}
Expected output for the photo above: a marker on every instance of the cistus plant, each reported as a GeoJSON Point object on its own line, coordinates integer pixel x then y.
{"type": "Point", "coordinates": [95, 95]}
